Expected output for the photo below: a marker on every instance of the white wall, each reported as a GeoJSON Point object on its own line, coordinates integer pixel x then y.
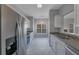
{"type": "Point", "coordinates": [8, 21]}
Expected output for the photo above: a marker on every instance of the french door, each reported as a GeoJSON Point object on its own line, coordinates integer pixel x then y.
{"type": "Point", "coordinates": [41, 28]}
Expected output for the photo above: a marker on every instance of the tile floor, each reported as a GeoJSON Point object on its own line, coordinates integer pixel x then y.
{"type": "Point", "coordinates": [40, 46]}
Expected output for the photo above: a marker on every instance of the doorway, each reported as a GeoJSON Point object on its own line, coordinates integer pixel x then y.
{"type": "Point", "coordinates": [41, 29]}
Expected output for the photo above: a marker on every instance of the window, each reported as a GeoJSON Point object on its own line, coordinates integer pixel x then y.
{"type": "Point", "coordinates": [41, 28]}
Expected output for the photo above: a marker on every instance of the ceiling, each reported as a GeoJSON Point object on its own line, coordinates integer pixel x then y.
{"type": "Point", "coordinates": [32, 10]}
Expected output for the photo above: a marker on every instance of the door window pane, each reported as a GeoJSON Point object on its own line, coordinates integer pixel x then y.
{"type": "Point", "coordinates": [38, 30]}
{"type": "Point", "coordinates": [41, 28]}
{"type": "Point", "coordinates": [38, 26]}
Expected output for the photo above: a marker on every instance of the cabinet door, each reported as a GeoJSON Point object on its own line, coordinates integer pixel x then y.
{"type": "Point", "coordinates": [60, 48]}
{"type": "Point", "coordinates": [52, 43]}
{"type": "Point", "coordinates": [57, 46]}
{"type": "Point", "coordinates": [57, 21]}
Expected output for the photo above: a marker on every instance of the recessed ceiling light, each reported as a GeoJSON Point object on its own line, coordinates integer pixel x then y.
{"type": "Point", "coordinates": [39, 5]}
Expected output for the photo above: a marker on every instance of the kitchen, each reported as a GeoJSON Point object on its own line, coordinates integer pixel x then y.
{"type": "Point", "coordinates": [56, 29]}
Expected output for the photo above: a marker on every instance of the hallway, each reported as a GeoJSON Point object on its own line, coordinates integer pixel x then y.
{"type": "Point", "coordinates": [40, 46]}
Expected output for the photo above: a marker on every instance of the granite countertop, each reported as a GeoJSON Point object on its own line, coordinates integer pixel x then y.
{"type": "Point", "coordinates": [70, 40]}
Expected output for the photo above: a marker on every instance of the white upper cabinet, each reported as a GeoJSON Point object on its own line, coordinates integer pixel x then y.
{"type": "Point", "coordinates": [57, 22]}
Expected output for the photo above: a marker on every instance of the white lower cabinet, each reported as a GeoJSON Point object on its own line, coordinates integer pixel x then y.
{"type": "Point", "coordinates": [57, 46]}
{"type": "Point", "coordinates": [60, 48]}
{"type": "Point", "coordinates": [52, 43]}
